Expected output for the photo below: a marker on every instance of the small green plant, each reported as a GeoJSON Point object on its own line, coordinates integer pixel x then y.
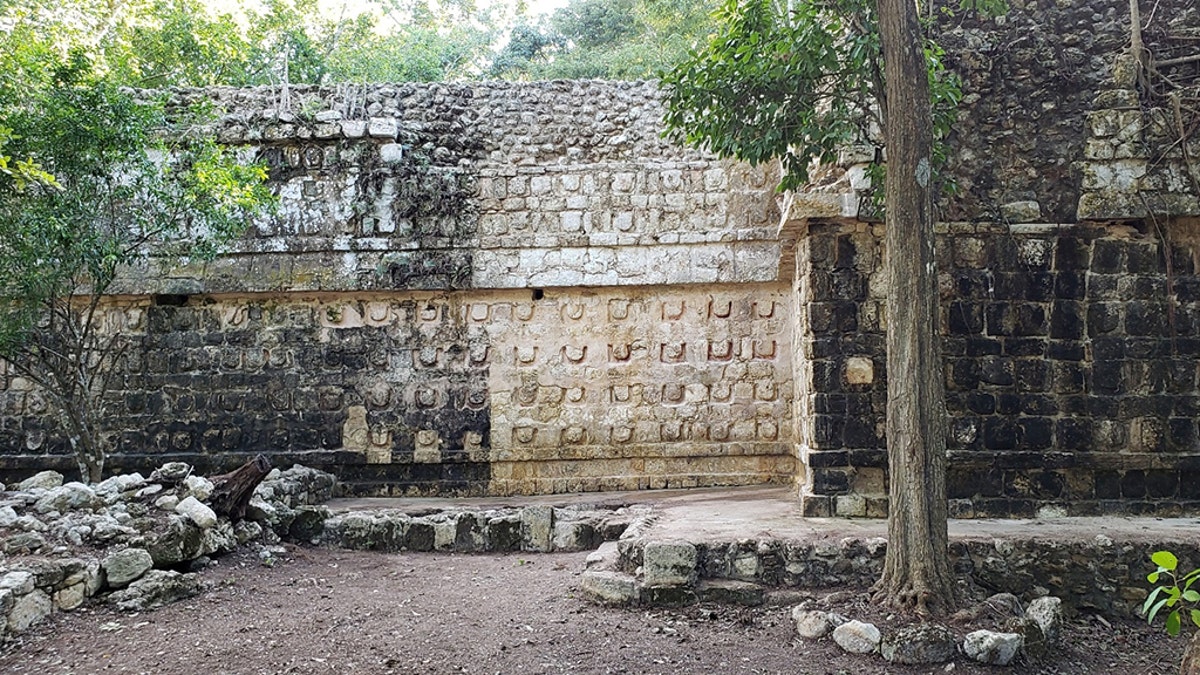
{"type": "Point", "coordinates": [1177, 595]}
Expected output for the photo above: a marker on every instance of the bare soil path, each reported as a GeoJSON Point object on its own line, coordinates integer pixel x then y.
{"type": "Point", "coordinates": [323, 611]}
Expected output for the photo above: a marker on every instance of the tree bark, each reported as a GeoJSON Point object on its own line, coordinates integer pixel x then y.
{"type": "Point", "coordinates": [917, 572]}
{"type": "Point", "coordinates": [232, 491]}
{"type": "Point", "coordinates": [1191, 657]}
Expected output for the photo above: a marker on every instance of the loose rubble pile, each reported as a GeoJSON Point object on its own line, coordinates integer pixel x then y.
{"type": "Point", "coordinates": [136, 541]}
{"type": "Point", "coordinates": [1011, 631]}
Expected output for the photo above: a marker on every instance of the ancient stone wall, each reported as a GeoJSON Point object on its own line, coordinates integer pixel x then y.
{"type": "Point", "coordinates": [524, 288]}
{"type": "Point", "coordinates": [466, 289]}
{"type": "Point", "coordinates": [1070, 364]}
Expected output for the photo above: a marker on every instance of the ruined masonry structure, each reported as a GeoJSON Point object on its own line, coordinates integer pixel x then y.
{"type": "Point", "coordinates": [502, 288]}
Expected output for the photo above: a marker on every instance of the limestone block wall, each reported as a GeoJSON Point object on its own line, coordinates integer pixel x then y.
{"type": "Point", "coordinates": [466, 289]}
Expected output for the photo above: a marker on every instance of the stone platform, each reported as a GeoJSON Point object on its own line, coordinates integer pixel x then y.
{"type": "Point", "coordinates": [681, 546]}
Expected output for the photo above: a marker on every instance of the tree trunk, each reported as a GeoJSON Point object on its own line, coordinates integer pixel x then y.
{"type": "Point", "coordinates": [232, 491]}
{"type": "Point", "coordinates": [1191, 656]}
{"type": "Point", "coordinates": [917, 572]}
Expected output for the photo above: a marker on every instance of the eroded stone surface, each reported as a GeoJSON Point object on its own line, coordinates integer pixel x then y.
{"type": "Point", "coordinates": [857, 637]}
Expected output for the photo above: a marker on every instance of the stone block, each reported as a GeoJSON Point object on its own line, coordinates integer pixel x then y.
{"type": "Point", "coordinates": [730, 592]}
{"type": "Point", "coordinates": [125, 566]}
{"type": "Point", "coordinates": [28, 610]}
{"type": "Point", "coordinates": [19, 582]}
{"type": "Point", "coordinates": [198, 513]}
{"type": "Point", "coordinates": [504, 534]}
{"type": "Point", "coordinates": [669, 564]}
{"type": "Point", "coordinates": [381, 127]}
{"type": "Point", "coordinates": [70, 597]}
{"type": "Point", "coordinates": [537, 528]}
{"type": "Point", "coordinates": [609, 588]}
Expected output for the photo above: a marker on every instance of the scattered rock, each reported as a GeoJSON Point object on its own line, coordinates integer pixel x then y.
{"type": "Point", "coordinates": [19, 582]}
{"type": "Point", "coordinates": [171, 473]}
{"type": "Point", "coordinates": [857, 637]}
{"type": "Point", "coordinates": [199, 487]}
{"type": "Point", "coordinates": [996, 649]}
{"type": "Point", "coordinates": [111, 488]}
{"type": "Point", "coordinates": [70, 597]}
{"type": "Point", "coordinates": [199, 513]}
{"type": "Point", "coordinates": [919, 643]}
{"type": "Point", "coordinates": [1048, 613]}
{"type": "Point", "coordinates": [45, 480]}
{"type": "Point", "coordinates": [815, 623]}
{"type": "Point", "coordinates": [65, 498]}
{"type": "Point", "coordinates": [8, 516]}
{"type": "Point", "coordinates": [1033, 641]}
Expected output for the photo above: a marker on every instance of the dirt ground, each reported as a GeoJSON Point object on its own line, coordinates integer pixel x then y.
{"type": "Point", "coordinates": [324, 611]}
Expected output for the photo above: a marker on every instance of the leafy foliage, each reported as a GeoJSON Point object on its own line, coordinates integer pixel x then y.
{"type": "Point", "coordinates": [1176, 595]}
{"type": "Point", "coordinates": [605, 39]}
{"type": "Point", "coordinates": [795, 82]}
{"type": "Point", "coordinates": [114, 191]}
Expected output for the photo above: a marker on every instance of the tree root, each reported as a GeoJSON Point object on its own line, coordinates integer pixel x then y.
{"type": "Point", "coordinates": [911, 597]}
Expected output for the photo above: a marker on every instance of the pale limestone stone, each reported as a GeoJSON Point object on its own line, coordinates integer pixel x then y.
{"type": "Point", "coordinates": [537, 528]}
{"type": "Point", "coordinates": [197, 512]}
{"type": "Point", "coordinates": [996, 649]}
{"type": "Point", "coordinates": [70, 597]}
{"type": "Point", "coordinates": [609, 587]}
{"type": "Point", "coordinates": [382, 127]}
{"type": "Point", "coordinates": [860, 370]}
{"type": "Point", "coordinates": [199, 487]}
{"type": "Point", "coordinates": [857, 637]}
{"type": "Point", "coordinates": [19, 582]}
{"type": "Point", "coordinates": [814, 624]}
{"type": "Point", "coordinates": [1048, 613]}
{"type": "Point", "coordinates": [45, 480]}
{"type": "Point", "coordinates": [354, 429]}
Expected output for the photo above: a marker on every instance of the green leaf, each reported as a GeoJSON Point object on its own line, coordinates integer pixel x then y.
{"type": "Point", "coordinates": [1173, 623]}
{"type": "Point", "coordinates": [1191, 596]}
{"type": "Point", "coordinates": [1165, 560]}
{"type": "Point", "coordinates": [1154, 610]}
{"type": "Point", "coordinates": [1153, 577]}
{"type": "Point", "coordinates": [1196, 616]}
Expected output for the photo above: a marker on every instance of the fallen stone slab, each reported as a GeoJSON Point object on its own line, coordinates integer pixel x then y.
{"type": "Point", "coordinates": [609, 587]}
